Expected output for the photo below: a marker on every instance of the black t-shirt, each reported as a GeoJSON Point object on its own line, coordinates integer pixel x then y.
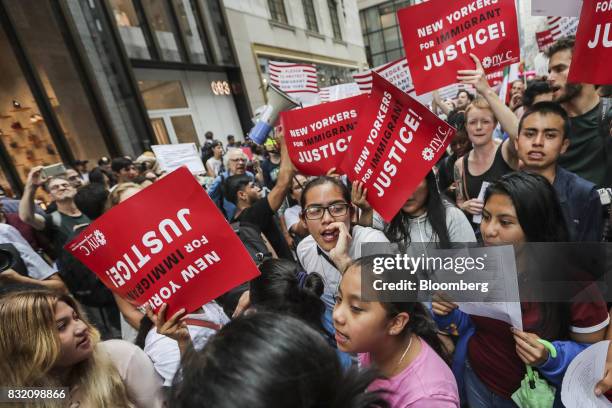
{"type": "Point", "coordinates": [261, 216]}
{"type": "Point", "coordinates": [59, 232]}
{"type": "Point", "coordinates": [270, 172]}
{"type": "Point", "coordinates": [586, 154]}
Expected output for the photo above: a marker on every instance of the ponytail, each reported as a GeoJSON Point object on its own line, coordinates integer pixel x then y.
{"type": "Point", "coordinates": [423, 326]}
{"type": "Point", "coordinates": [146, 325]}
{"type": "Point", "coordinates": [281, 288]}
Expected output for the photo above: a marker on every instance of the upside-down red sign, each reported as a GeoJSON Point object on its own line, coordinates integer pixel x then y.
{"type": "Point", "coordinates": [167, 244]}
{"type": "Point", "coordinates": [439, 36]}
{"type": "Point", "coordinates": [396, 144]}
{"type": "Point", "coordinates": [318, 136]}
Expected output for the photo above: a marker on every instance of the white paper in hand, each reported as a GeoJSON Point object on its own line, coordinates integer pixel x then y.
{"type": "Point", "coordinates": [586, 370]}
{"type": "Point", "coordinates": [477, 218]}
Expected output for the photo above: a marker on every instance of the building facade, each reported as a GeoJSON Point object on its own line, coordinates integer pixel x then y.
{"type": "Point", "coordinates": [322, 32]}
{"type": "Point", "coordinates": [381, 33]}
{"type": "Point", "coordinates": [89, 78]}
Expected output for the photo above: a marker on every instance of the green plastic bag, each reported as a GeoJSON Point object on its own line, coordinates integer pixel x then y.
{"type": "Point", "coordinates": [534, 391]}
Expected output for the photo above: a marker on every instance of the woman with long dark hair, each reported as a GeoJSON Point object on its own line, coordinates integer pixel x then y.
{"type": "Point", "coordinates": [428, 219]}
{"type": "Point", "coordinates": [521, 208]}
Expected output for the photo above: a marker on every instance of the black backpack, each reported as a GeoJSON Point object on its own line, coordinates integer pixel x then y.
{"type": "Point", "coordinates": [251, 238]}
{"type": "Point", "coordinates": [82, 283]}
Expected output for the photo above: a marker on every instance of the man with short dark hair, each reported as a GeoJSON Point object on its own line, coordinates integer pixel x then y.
{"type": "Point", "coordinates": [231, 142]}
{"type": "Point", "coordinates": [542, 139]}
{"type": "Point", "coordinates": [105, 163]}
{"type": "Point", "coordinates": [589, 118]}
{"type": "Point", "coordinates": [124, 169]}
{"type": "Point", "coordinates": [244, 193]}
{"type": "Point", "coordinates": [536, 91]}
{"type": "Point", "coordinates": [462, 100]}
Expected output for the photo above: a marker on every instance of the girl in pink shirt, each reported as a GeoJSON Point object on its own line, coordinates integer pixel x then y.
{"type": "Point", "coordinates": [399, 340]}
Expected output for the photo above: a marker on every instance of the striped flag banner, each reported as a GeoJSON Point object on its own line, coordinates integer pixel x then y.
{"type": "Point", "coordinates": [396, 72]}
{"type": "Point", "coordinates": [293, 77]}
{"type": "Point", "coordinates": [562, 26]}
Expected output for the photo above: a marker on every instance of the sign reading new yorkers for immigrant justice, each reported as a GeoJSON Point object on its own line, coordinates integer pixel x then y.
{"type": "Point", "coordinates": [439, 36]}
{"type": "Point", "coordinates": [167, 244]}
{"type": "Point", "coordinates": [395, 145]}
{"type": "Point", "coordinates": [593, 48]}
{"type": "Point", "coordinates": [318, 136]}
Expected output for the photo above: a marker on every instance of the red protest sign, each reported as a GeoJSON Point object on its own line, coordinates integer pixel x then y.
{"type": "Point", "coordinates": [167, 244]}
{"type": "Point", "coordinates": [593, 45]}
{"type": "Point", "coordinates": [439, 35]}
{"type": "Point", "coordinates": [397, 142]}
{"type": "Point", "coordinates": [318, 136]}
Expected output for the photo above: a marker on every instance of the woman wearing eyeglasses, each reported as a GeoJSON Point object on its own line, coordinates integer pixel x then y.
{"type": "Point", "coordinates": [333, 243]}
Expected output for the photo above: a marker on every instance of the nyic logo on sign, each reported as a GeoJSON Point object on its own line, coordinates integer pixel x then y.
{"type": "Point", "coordinates": [427, 154]}
{"type": "Point", "coordinates": [437, 143]}
{"type": "Point", "coordinates": [91, 242]}
{"type": "Point", "coordinates": [497, 59]}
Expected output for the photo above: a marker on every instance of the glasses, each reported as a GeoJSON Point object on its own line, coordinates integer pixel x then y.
{"type": "Point", "coordinates": [317, 212]}
{"type": "Point", "coordinates": [241, 159]}
{"type": "Point", "coordinates": [59, 186]}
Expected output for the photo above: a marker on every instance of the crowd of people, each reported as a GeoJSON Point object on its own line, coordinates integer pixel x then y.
{"type": "Point", "coordinates": [525, 170]}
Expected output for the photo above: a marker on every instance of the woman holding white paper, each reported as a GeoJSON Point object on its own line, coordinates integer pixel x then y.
{"type": "Point", "coordinates": [519, 208]}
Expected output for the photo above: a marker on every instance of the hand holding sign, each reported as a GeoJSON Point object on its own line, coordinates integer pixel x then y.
{"type": "Point", "coordinates": [475, 77]}
{"type": "Point", "coordinates": [175, 327]}
{"type": "Point", "coordinates": [439, 34]}
{"type": "Point", "coordinates": [358, 196]}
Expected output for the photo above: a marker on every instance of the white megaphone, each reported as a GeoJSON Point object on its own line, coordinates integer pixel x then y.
{"type": "Point", "coordinates": [266, 115]}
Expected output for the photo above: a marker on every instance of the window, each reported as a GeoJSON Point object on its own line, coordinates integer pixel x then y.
{"type": "Point", "coordinates": [277, 11]}
{"type": "Point", "coordinates": [214, 25]}
{"type": "Point", "coordinates": [191, 28]}
{"type": "Point", "coordinates": [381, 33]}
{"type": "Point", "coordinates": [158, 16]}
{"type": "Point", "coordinates": [128, 23]}
{"type": "Point", "coordinates": [62, 84]}
{"type": "Point", "coordinates": [335, 21]}
{"type": "Point", "coordinates": [310, 15]}
{"type": "Point", "coordinates": [162, 94]}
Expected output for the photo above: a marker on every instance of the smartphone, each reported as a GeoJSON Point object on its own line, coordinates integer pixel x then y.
{"type": "Point", "coordinates": [53, 170]}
